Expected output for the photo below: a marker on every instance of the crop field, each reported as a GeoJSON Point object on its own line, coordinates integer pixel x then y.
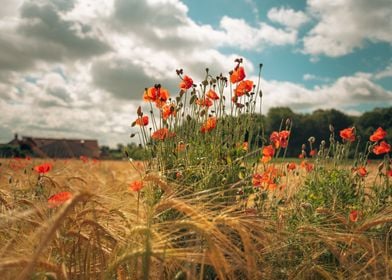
{"type": "Point", "coordinates": [215, 198]}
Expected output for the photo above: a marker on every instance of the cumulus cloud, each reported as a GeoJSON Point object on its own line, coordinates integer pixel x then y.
{"type": "Point", "coordinates": [346, 92]}
{"type": "Point", "coordinates": [288, 17]}
{"type": "Point", "coordinates": [344, 25]}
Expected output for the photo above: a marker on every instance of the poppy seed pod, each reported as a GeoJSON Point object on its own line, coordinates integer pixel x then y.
{"type": "Point", "coordinates": [312, 139]}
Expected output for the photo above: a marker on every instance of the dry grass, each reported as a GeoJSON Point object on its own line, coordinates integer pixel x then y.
{"type": "Point", "coordinates": [177, 234]}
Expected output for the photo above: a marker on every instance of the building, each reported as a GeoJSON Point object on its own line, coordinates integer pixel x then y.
{"type": "Point", "coordinates": [56, 148]}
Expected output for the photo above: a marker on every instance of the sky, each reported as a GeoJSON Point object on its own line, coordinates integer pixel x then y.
{"type": "Point", "coordinates": [78, 68]}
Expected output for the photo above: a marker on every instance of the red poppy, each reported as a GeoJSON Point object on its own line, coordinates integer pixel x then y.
{"type": "Point", "coordinates": [291, 166]}
{"type": "Point", "coordinates": [186, 83]}
{"type": "Point", "coordinates": [389, 173]}
{"type": "Point", "coordinates": [43, 168]}
{"type": "Point", "coordinates": [212, 95]}
{"type": "Point", "coordinates": [209, 125]}
{"type": "Point", "coordinates": [168, 110]}
{"type": "Point", "coordinates": [156, 94]}
{"type": "Point", "coordinates": [279, 139]}
{"type": "Point", "coordinates": [361, 171]}
{"type": "Point", "coordinates": [348, 134]}
{"type": "Point", "coordinates": [237, 75]}
{"type": "Point", "coordinates": [268, 153]}
{"type": "Point", "coordinates": [353, 216]}
{"type": "Point", "coordinates": [313, 152]}
{"type": "Point", "coordinates": [243, 87]}
{"type": "Point", "coordinates": [58, 199]}
{"type": "Point", "coordinates": [84, 159]}
{"type": "Point", "coordinates": [378, 135]}
{"type": "Point", "coordinates": [136, 186]}
{"type": "Point", "coordinates": [245, 146]}
{"type": "Point", "coordinates": [204, 102]}
{"type": "Point", "coordinates": [382, 148]}
{"type": "Point", "coordinates": [142, 121]}
{"type": "Point", "coordinates": [162, 134]}
{"type": "Point", "coordinates": [267, 179]}
{"type": "Point", "coordinates": [308, 166]}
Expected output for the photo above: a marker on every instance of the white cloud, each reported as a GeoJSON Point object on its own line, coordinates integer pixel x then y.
{"type": "Point", "coordinates": [386, 73]}
{"type": "Point", "coordinates": [344, 25]}
{"type": "Point", "coordinates": [239, 33]}
{"type": "Point", "coordinates": [288, 17]}
{"type": "Point", "coordinates": [311, 77]}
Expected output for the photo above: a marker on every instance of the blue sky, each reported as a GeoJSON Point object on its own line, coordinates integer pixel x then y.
{"type": "Point", "coordinates": [77, 68]}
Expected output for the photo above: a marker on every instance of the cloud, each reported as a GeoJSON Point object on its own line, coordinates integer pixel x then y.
{"type": "Point", "coordinates": [346, 92]}
{"type": "Point", "coordinates": [344, 25]}
{"type": "Point", "coordinates": [386, 73]}
{"type": "Point", "coordinates": [288, 17]}
{"type": "Point", "coordinates": [311, 77]}
{"type": "Point", "coordinates": [246, 37]}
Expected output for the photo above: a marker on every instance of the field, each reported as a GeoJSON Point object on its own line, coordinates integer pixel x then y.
{"type": "Point", "coordinates": [215, 198]}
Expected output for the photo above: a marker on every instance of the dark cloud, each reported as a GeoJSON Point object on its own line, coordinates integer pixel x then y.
{"type": "Point", "coordinates": [70, 39]}
{"type": "Point", "coordinates": [124, 79]}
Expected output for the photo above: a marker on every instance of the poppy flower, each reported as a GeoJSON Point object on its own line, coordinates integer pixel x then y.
{"type": "Point", "coordinates": [245, 146]}
{"type": "Point", "coordinates": [209, 125]}
{"type": "Point", "coordinates": [186, 83]}
{"type": "Point", "coordinates": [313, 152]}
{"type": "Point", "coordinates": [237, 75]}
{"type": "Point", "coordinates": [348, 134]}
{"type": "Point", "coordinates": [378, 135]}
{"type": "Point", "coordinates": [361, 171]}
{"type": "Point", "coordinates": [58, 199]}
{"type": "Point", "coordinates": [162, 134]}
{"type": "Point", "coordinates": [84, 159]}
{"type": "Point", "coordinates": [291, 166]}
{"type": "Point", "coordinates": [353, 215]}
{"type": "Point", "coordinates": [167, 111]}
{"type": "Point", "coordinates": [258, 179]}
{"type": "Point", "coordinates": [389, 173]}
{"type": "Point", "coordinates": [156, 94]}
{"type": "Point", "coordinates": [206, 102]}
{"type": "Point", "coordinates": [268, 153]}
{"type": "Point", "coordinates": [136, 186]}
{"type": "Point", "coordinates": [43, 168]}
{"type": "Point", "coordinates": [279, 139]}
{"type": "Point", "coordinates": [212, 95]}
{"type": "Point", "coordinates": [382, 148]}
{"type": "Point", "coordinates": [243, 87]}
{"type": "Point", "coordinates": [308, 166]}
{"type": "Point", "coordinates": [142, 121]}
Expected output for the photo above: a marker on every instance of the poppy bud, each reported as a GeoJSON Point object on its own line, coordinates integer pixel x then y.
{"type": "Point", "coordinates": [312, 139]}
{"type": "Point", "coordinates": [288, 121]}
{"type": "Point", "coordinates": [303, 146]}
{"type": "Point", "coordinates": [323, 143]}
{"type": "Point", "coordinates": [331, 128]}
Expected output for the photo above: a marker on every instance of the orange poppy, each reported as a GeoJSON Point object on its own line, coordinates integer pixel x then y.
{"type": "Point", "coordinates": [156, 94]}
{"type": "Point", "coordinates": [361, 171]}
{"type": "Point", "coordinates": [162, 134]}
{"type": "Point", "coordinates": [209, 125]}
{"type": "Point", "coordinates": [204, 102]}
{"type": "Point", "coordinates": [291, 166]}
{"type": "Point", "coordinates": [382, 148]}
{"type": "Point", "coordinates": [84, 159]}
{"type": "Point", "coordinates": [136, 186]}
{"type": "Point", "coordinates": [243, 87]}
{"type": "Point", "coordinates": [43, 168]}
{"type": "Point", "coordinates": [186, 83]}
{"type": "Point", "coordinates": [268, 153]}
{"type": "Point", "coordinates": [58, 199]}
{"type": "Point", "coordinates": [348, 134]}
{"type": "Point", "coordinates": [142, 121]}
{"type": "Point", "coordinates": [389, 173]}
{"type": "Point", "coordinates": [353, 215]}
{"type": "Point", "coordinates": [237, 75]}
{"type": "Point", "coordinates": [245, 146]}
{"type": "Point", "coordinates": [168, 110]}
{"type": "Point", "coordinates": [308, 166]}
{"type": "Point", "coordinates": [279, 139]}
{"type": "Point", "coordinates": [150, 94]}
{"type": "Point", "coordinates": [212, 95]}
{"type": "Point", "coordinates": [378, 135]}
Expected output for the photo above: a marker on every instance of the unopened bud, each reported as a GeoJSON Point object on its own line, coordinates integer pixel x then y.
{"type": "Point", "coordinates": [288, 121]}
{"type": "Point", "coordinates": [331, 128]}
{"type": "Point", "coordinates": [323, 143]}
{"type": "Point", "coordinates": [312, 139]}
{"type": "Point", "coordinates": [303, 146]}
